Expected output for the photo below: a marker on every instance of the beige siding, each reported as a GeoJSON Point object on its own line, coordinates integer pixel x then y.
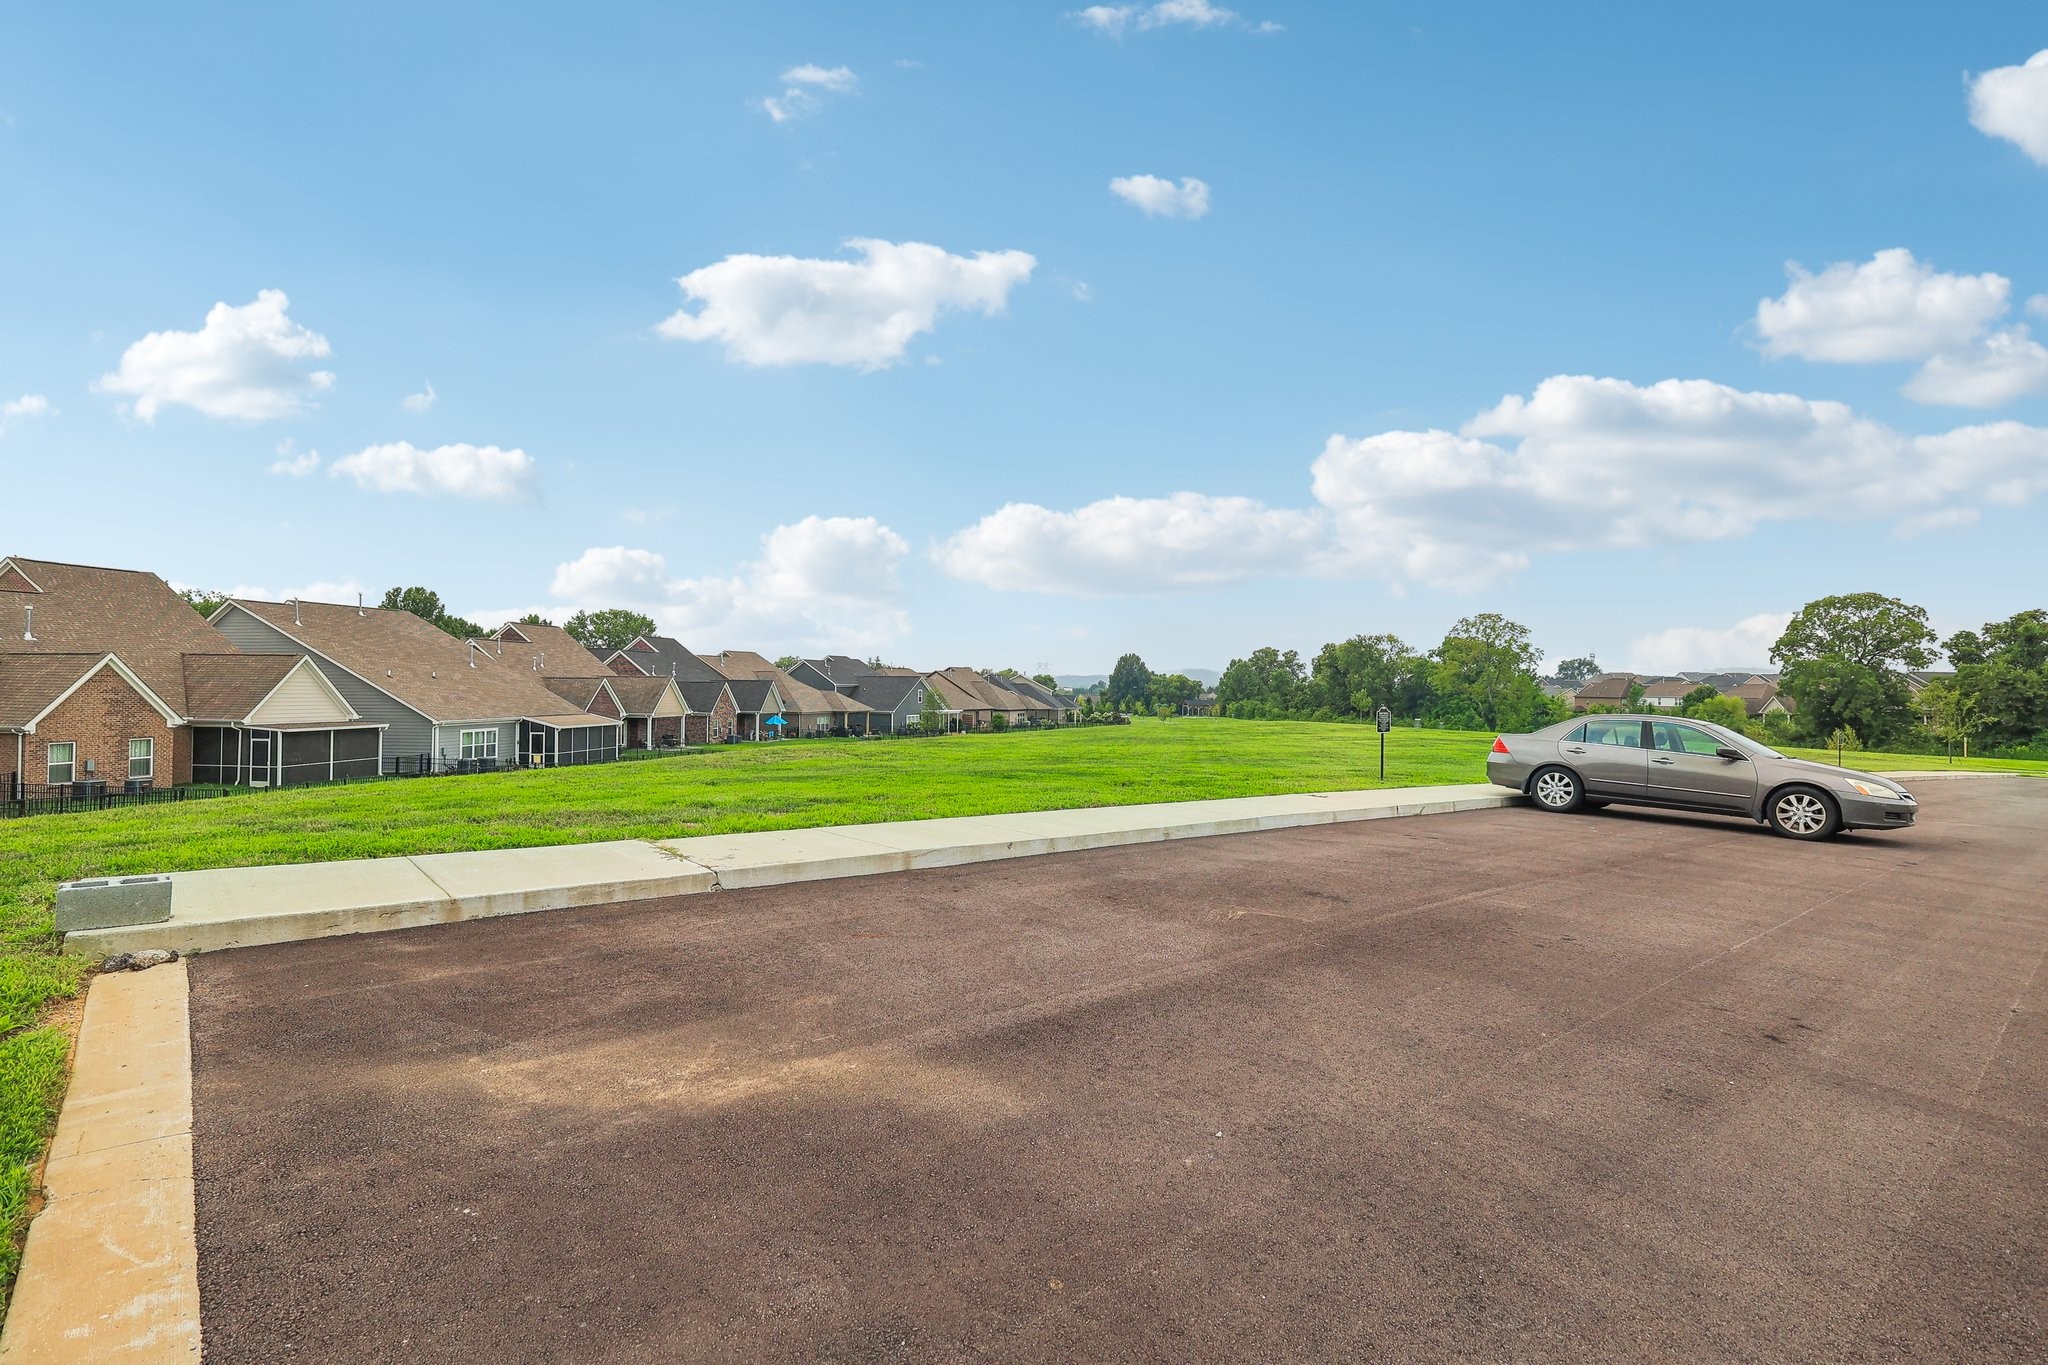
{"type": "Point", "coordinates": [670, 704]}
{"type": "Point", "coordinates": [299, 700]}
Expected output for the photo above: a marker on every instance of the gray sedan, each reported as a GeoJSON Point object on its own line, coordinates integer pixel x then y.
{"type": "Point", "coordinates": [1691, 765]}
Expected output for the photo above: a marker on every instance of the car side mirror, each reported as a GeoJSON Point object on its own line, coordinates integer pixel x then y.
{"type": "Point", "coordinates": [1729, 753]}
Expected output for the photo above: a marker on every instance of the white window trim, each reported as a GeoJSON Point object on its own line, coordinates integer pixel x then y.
{"type": "Point", "coordinates": [50, 763]}
{"type": "Point", "coordinates": [148, 758]}
{"type": "Point", "coordinates": [488, 748]}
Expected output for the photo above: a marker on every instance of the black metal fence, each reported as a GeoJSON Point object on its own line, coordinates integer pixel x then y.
{"type": "Point", "coordinates": [440, 765]}
{"type": "Point", "coordinates": [28, 798]}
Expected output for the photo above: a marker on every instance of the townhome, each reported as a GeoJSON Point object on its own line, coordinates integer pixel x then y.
{"type": "Point", "coordinates": [807, 709]}
{"type": "Point", "coordinates": [965, 709]}
{"type": "Point", "coordinates": [653, 710]}
{"type": "Point", "coordinates": [1059, 707]}
{"type": "Point", "coordinates": [545, 650]}
{"type": "Point", "coordinates": [110, 681]}
{"type": "Point", "coordinates": [446, 704]}
{"type": "Point", "coordinates": [711, 712]}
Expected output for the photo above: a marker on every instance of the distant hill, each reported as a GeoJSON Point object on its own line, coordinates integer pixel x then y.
{"type": "Point", "coordinates": [1207, 677]}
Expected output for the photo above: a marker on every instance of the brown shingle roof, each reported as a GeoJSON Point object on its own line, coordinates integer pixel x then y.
{"type": "Point", "coordinates": [230, 686]}
{"type": "Point", "coordinates": [799, 697]}
{"type": "Point", "coordinates": [30, 682]}
{"type": "Point", "coordinates": [553, 649]}
{"type": "Point", "coordinates": [638, 694]}
{"type": "Point", "coordinates": [84, 609]}
{"type": "Point", "coordinates": [441, 677]}
{"type": "Point", "coordinates": [955, 697]}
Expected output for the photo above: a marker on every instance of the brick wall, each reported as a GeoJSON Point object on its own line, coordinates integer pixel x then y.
{"type": "Point", "coordinates": [100, 718]}
{"type": "Point", "coordinates": [723, 720]}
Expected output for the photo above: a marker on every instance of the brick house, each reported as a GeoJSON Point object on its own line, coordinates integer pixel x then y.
{"type": "Point", "coordinates": [108, 676]}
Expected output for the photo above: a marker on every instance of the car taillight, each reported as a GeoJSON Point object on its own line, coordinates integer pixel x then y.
{"type": "Point", "coordinates": [1500, 746]}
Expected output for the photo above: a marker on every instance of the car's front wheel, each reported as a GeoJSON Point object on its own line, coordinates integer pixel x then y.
{"type": "Point", "coordinates": [1803, 813]}
{"type": "Point", "coordinates": [1557, 789]}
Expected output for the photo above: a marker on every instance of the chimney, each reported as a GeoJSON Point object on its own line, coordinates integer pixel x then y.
{"type": "Point", "coordinates": [28, 622]}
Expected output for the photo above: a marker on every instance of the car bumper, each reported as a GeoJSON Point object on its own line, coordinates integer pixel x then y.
{"type": "Point", "coordinates": [1865, 812]}
{"type": "Point", "coordinates": [1505, 770]}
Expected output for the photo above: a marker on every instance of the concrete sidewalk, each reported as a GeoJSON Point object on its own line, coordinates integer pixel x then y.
{"type": "Point", "coordinates": [241, 907]}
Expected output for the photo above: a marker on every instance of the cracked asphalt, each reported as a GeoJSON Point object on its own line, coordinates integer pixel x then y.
{"type": "Point", "coordinates": [1498, 1086]}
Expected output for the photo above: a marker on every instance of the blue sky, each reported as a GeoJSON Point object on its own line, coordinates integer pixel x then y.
{"type": "Point", "coordinates": [1462, 315]}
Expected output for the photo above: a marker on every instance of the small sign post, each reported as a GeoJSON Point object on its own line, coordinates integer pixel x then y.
{"type": "Point", "coordinates": [1385, 719]}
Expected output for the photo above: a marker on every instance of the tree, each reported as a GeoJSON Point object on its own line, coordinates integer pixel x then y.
{"type": "Point", "coordinates": [1577, 670]}
{"type": "Point", "coordinates": [1635, 695]}
{"type": "Point", "coordinates": [1728, 712]}
{"type": "Point", "coordinates": [1696, 696]}
{"type": "Point", "coordinates": [1480, 662]}
{"type": "Point", "coordinates": [2003, 675]}
{"type": "Point", "coordinates": [931, 712]}
{"type": "Point", "coordinates": [1356, 677]}
{"type": "Point", "coordinates": [1169, 690]}
{"type": "Point", "coordinates": [1840, 738]}
{"type": "Point", "coordinates": [1842, 658]}
{"type": "Point", "coordinates": [425, 603]}
{"type": "Point", "coordinates": [534, 618]}
{"type": "Point", "coordinates": [1046, 680]}
{"type": "Point", "coordinates": [205, 603]}
{"type": "Point", "coordinates": [603, 632]}
{"type": "Point", "coordinates": [1951, 714]}
{"type": "Point", "coordinates": [1130, 682]}
{"type": "Point", "coordinates": [787, 661]}
{"type": "Point", "coordinates": [1269, 683]}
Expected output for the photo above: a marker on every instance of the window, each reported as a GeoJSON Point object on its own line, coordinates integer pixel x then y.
{"type": "Point", "coordinates": [480, 743]}
{"type": "Point", "coordinates": [63, 759]}
{"type": "Point", "coordinates": [1627, 733]}
{"type": "Point", "coordinates": [1684, 739]}
{"type": "Point", "coordinates": [141, 758]}
{"type": "Point", "coordinates": [1577, 736]}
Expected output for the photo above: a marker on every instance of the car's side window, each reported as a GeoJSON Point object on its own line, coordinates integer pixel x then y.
{"type": "Point", "coordinates": [1577, 736]}
{"type": "Point", "coordinates": [1626, 733]}
{"type": "Point", "coordinates": [1684, 739]}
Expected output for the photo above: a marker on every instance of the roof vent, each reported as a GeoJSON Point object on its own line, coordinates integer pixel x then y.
{"type": "Point", "coordinates": [359, 605]}
{"type": "Point", "coordinates": [387, 672]}
{"type": "Point", "coordinates": [28, 622]}
{"type": "Point", "coordinates": [433, 673]}
{"type": "Point", "coordinates": [295, 613]}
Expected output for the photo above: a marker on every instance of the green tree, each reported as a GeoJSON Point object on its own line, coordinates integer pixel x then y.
{"type": "Point", "coordinates": [1356, 677]}
{"type": "Point", "coordinates": [787, 661]}
{"type": "Point", "coordinates": [1635, 695]}
{"type": "Point", "coordinates": [1842, 658]}
{"type": "Point", "coordinates": [931, 712]}
{"type": "Point", "coordinates": [205, 603]}
{"type": "Point", "coordinates": [1696, 696]}
{"type": "Point", "coordinates": [1046, 680]}
{"type": "Point", "coordinates": [1480, 663]}
{"type": "Point", "coordinates": [1171, 689]}
{"type": "Point", "coordinates": [602, 632]}
{"type": "Point", "coordinates": [1267, 683]}
{"type": "Point", "coordinates": [1720, 710]}
{"type": "Point", "coordinates": [1951, 714]}
{"type": "Point", "coordinates": [1130, 682]}
{"type": "Point", "coordinates": [1577, 670]}
{"type": "Point", "coordinates": [533, 618]}
{"type": "Point", "coordinates": [425, 603]}
{"type": "Point", "coordinates": [2003, 674]}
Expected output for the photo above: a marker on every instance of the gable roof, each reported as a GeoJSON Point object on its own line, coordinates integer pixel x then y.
{"type": "Point", "coordinates": [544, 650]}
{"type": "Point", "coordinates": [83, 609]}
{"type": "Point", "coordinates": [660, 656]}
{"type": "Point", "coordinates": [233, 687]}
{"type": "Point", "coordinates": [32, 685]}
{"type": "Point", "coordinates": [754, 694]}
{"type": "Point", "coordinates": [797, 695]}
{"type": "Point", "coordinates": [701, 696]}
{"type": "Point", "coordinates": [640, 695]}
{"type": "Point", "coordinates": [953, 695]}
{"type": "Point", "coordinates": [582, 692]}
{"type": "Point", "coordinates": [423, 667]}
{"type": "Point", "coordinates": [1608, 686]}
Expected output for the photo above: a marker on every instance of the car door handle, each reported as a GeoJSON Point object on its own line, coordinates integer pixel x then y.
{"type": "Point", "coordinates": [1575, 751]}
{"type": "Point", "coordinates": [1660, 760]}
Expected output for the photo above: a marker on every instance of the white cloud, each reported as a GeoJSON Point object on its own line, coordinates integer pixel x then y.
{"type": "Point", "coordinates": [1116, 20]}
{"type": "Point", "coordinates": [800, 84]}
{"type": "Point", "coordinates": [462, 471]}
{"type": "Point", "coordinates": [293, 463]}
{"type": "Point", "coordinates": [1187, 540]}
{"type": "Point", "coordinates": [823, 582]}
{"type": "Point", "coordinates": [1160, 198]}
{"type": "Point", "coordinates": [2006, 365]}
{"type": "Point", "coordinates": [1746, 644]}
{"type": "Point", "coordinates": [2038, 305]}
{"type": "Point", "coordinates": [2011, 102]}
{"type": "Point", "coordinates": [243, 363]}
{"type": "Point", "coordinates": [1926, 523]}
{"type": "Point", "coordinates": [422, 401]}
{"type": "Point", "coordinates": [345, 592]}
{"type": "Point", "coordinates": [28, 405]}
{"type": "Point", "coordinates": [1581, 464]}
{"type": "Point", "coordinates": [789, 310]}
{"type": "Point", "coordinates": [1891, 307]}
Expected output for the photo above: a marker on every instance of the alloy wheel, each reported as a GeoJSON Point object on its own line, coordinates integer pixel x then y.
{"type": "Point", "coordinates": [1556, 790]}
{"type": "Point", "coordinates": [1802, 813]}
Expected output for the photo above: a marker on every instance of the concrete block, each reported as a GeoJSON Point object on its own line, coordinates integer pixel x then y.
{"type": "Point", "coordinates": [517, 881]}
{"type": "Point", "coordinates": [109, 902]}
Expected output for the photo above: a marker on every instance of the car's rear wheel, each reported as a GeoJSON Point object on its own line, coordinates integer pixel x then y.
{"type": "Point", "coordinates": [1557, 789]}
{"type": "Point", "coordinates": [1803, 813]}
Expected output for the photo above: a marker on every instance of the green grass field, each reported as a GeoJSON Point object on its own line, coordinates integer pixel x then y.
{"type": "Point", "coordinates": [748, 787]}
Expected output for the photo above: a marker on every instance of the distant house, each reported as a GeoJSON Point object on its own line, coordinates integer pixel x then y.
{"type": "Point", "coordinates": [1919, 679]}
{"type": "Point", "coordinates": [660, 656]}
{"type": "Point", "coordinates": [807, 709]}
{"type": "Point", "coordinates": [837, 671]}
{"type": "Point", "coordinates": [712, 716]}
{"type": "Point", "coordinates": [1059, 707]}
{"type": "Point", "coordinates": [895, 701]}
{"type": "Point", "coordinates": [961, 690]}
{"type": "Point", "coordinates": [1761, 699]}
{"type": "Point", "coordinates": [754, 702]}
{"type": "Point", "coordinates": [591, 695]}
{"type": "Point", "coordinates": [1667, 694]}
{"type": "Point", "coordinates": [544, 650]}
{"type": "Point", "coordinates": [1607, 689]}
{"type": "Point", "coordinates": [446, 704]}
{"type": "Point", "coordinates": [653, 710]}
{"type": "Point", "coordinates": [109, 679]}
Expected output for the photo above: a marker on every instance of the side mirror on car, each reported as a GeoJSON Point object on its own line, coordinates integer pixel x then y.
{"type": "Point", "coordinates": [1729, 753]}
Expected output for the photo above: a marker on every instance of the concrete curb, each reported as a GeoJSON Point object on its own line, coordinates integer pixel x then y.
{"type": "Point", "coordinates": [111, 1270]}
{"type": "Point", "coordinates": [242, 907]}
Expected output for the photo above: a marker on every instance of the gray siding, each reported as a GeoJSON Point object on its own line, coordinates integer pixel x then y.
{"type": "Point", "coordinates": [448, 742]}
{"type": "Point", "coordinates": [407, 731]}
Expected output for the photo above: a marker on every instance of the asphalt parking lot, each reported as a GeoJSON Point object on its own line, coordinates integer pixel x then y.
{"type": "Point", "coordinates": [1498, 1085]}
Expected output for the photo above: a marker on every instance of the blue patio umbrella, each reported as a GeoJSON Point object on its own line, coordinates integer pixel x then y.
{"type": "Point", "coordinates": [775, 720]}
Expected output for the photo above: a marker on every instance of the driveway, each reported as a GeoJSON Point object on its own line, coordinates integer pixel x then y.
{"type": "Point", "coordinates": [1496, 1085]}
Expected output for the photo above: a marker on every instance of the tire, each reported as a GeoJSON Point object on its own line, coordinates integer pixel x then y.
{"type": "Point", "coordinates": [1557, 789]}
{"type": "Point", "coordinates": [1803, 813]}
